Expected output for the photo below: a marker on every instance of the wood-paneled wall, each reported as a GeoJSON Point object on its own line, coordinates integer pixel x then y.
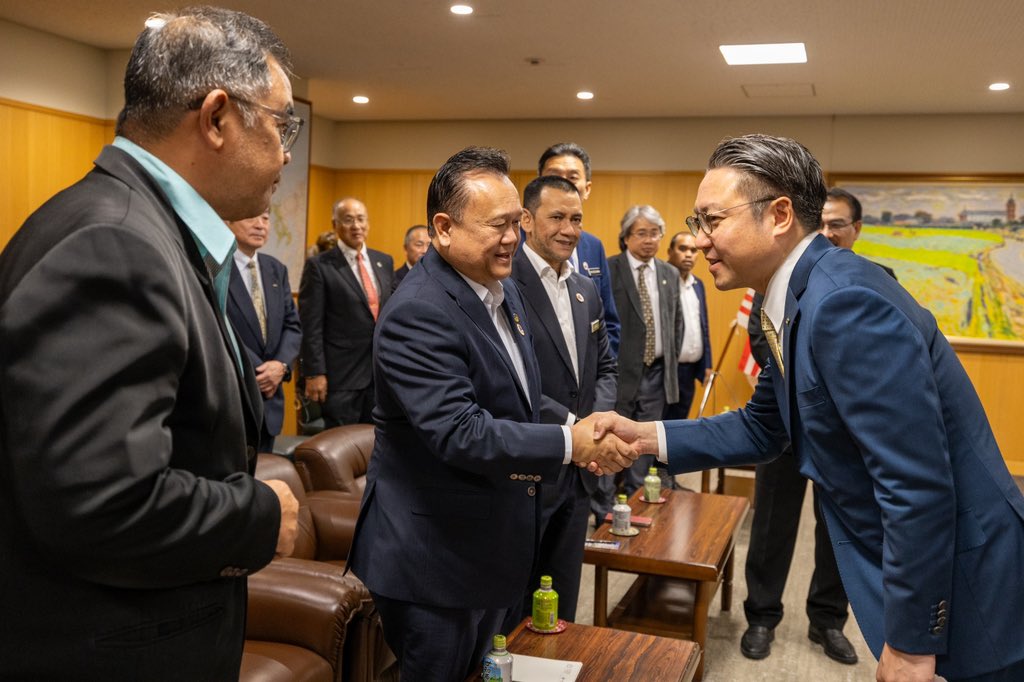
{"type": "Point", "coordinates": [43, 151]}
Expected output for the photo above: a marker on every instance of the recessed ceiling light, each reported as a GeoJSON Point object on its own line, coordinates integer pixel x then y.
{"type": "Point", "coordinates": [461, 9]}
{"type": "Point", "coordinates": [155, 22]}
{"type": "Point", "coordinates": [999, 86]}
{"type": "Point", "coordinates": [361, 99]}
{"type": "Point", "coordinates": [584, 94]}
{"type": "Point", "coordinates": [770, 53]}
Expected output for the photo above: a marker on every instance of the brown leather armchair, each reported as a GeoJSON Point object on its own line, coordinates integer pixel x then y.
{"type": "Point", "coordinates": [306, 620]}
{"type": "Point", "coordinates": [336, 459]}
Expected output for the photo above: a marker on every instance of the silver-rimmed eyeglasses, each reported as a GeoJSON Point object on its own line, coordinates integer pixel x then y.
{"type": "Point", "coordinates": [698, 222]}
{"type": "Point", "coordinates": [288, 123]}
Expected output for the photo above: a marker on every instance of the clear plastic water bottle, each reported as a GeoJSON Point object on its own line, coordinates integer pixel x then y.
{"type": "Point", "coordinates": [652, 485]}
{"type": "Point", "coordinates": [621, 514]}
{"type": "Point", "coordinates": [545, 606]}
{"type": "Point", "coordinates": [497, 665]}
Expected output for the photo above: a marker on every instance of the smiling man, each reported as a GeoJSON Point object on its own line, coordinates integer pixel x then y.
{"type": "Point", "coordinates": [577, 373]}
{"type": "Point", "coordinates": [447, 532]}
{"type": "Point", "coordinates": [340, 297]}
{"type": "Point", "coordinates": [926, 522]}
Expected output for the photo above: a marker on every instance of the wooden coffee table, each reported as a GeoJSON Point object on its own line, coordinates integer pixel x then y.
{"type": "Point", "coordinates": [681, 559]}
{"type": "Point", "coordinates": [610, 654]}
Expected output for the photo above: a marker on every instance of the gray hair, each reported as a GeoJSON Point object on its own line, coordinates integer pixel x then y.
{"type": "Point", "coordinates": [188, 53]}
{"type": "Point", "coordinates": [775, 167]}
{"type": "Point", "coordinates": [645, 211]}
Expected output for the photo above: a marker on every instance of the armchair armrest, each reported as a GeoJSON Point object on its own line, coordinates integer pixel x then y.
{"type": "Point", "coordinates": [309, 604]}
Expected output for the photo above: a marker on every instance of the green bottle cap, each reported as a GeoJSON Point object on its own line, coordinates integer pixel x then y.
{"type": "Point", "coordinates": [499, 641]}
{"type": "Point", "coordinates": [621, 499]}
{"type": "Point", "coordinates": [545, 581]}
{"type": "Point", "coordinates": [653, 471]}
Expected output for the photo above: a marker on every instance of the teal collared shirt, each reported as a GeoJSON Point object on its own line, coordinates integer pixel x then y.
{"type": "Point", "coordinates": [215, 241]}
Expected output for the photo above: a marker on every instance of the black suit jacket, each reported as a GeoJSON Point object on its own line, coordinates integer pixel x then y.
{"type": "Point", "coordinates": [127, 515]}
{"type": "Point", "coordinates": [400, 274]}
{"type": "Point", "coordinates": [633, 330]}
{"type": "Point", "coordinates": [337, 325]}
{"type": "Point", "coordinates": [284, 332]}
{"type": "Point", "coordinates": [595, 390]}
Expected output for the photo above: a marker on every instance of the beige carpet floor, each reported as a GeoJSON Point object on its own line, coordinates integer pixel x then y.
{"type": "Point", "coordinates": [794, 657]}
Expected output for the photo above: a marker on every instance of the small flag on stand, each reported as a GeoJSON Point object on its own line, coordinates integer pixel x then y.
{"type": "Point", "coordinates": [747, 364]}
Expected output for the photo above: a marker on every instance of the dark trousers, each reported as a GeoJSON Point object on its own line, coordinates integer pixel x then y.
{"type": "Point", "coordinates": [348, 407]}
{"type": "Point", "coordinates": [565, 507]}
{"type": "Point", "coordinates": [1012, 673]}
{"type": "Point", "coordinates": [648, 405]}
{"type": "Point", "coordinates": [779, 496]}
{"type": "Point", "coordinates": [688, 373]}
{"type": "Point", "coordinates": [433, 643]}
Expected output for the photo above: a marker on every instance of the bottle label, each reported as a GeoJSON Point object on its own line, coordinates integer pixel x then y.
{"type": "Point", "coordinates": [497, 668]}
{"type": "Point", "coordinates": [545, 609]}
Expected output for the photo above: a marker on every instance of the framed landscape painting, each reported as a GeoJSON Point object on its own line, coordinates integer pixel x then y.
{"type": "Point", "coordinates": [956, 244]}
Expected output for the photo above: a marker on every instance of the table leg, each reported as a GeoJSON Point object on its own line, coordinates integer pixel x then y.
{"type": "Point", "coordinates": [705, 480]}
{"type": "Point", "coordinates": [601, 596]}
{"type": "Point", "coordinates": [702, 603]}
{"type": "Point", "coordinates": [727, 580]}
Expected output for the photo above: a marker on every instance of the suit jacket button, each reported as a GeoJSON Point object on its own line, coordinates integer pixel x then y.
{"type": "Point", "coordinates": [531, 491]}
{"type": "Point", "coordinates": [942, 604]}
{"type": "Point", "coordinates": [940, 621]}
{"type": "Point", "coordinates": [514, 477]}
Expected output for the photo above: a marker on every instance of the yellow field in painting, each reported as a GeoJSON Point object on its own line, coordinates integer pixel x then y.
{"type": "Point", "coordinates": [971, 279]}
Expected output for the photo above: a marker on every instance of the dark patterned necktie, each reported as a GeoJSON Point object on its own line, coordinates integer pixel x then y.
{"type": "Point", "coordinates": [648, 313]}
{"type": "Point", "coordinates": [773, 340]}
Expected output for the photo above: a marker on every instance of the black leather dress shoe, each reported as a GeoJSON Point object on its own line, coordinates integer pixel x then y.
{"type": "Point", "coordinates": [837, 647]}
{"type": "Point", "coordinates": [757, 642]}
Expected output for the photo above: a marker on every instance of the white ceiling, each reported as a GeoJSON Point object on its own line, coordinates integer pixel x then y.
{"type": "Point", "coordinates": [642, 58]}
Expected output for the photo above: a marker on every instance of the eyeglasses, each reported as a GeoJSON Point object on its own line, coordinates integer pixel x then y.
{"type": "Point", "coordinates": [288, 123]}
{"type": "Point", "coordinates": [644, 236]}
{"type": "Point", "coordinates": [698, 222]}
{"type": "Point", "coordinates": [836, 225]}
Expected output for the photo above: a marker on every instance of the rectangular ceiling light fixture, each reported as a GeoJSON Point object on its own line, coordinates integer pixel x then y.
{"type": "Point", "coordinates": [770, 53]}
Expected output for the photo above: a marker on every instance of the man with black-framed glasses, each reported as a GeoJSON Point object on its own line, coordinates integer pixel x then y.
{"type": "Point", "coordinates": [926, 523]}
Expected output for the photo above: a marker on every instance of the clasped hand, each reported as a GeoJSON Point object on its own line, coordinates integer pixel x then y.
{"type": "Point", "coordinates": [606, 442]}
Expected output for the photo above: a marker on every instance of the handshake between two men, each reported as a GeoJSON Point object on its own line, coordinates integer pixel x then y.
{"type": "Point", "coordinates": [606, 442]}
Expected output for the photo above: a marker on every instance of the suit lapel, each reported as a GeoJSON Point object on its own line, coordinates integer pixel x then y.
{"type": "Point", "coordinates": [629, 282]}
{"type": "Point", "coordinates": [516, 317]}
{"type": "Point", "coordinates": [533, 290]}
{"type": "Point", "coordinates": [271, 301]}
{"type": "Point", "coordinates": [668, 290]}
{"type": "Point", "coordinates": [581, 323]}
{"type": "Point", "coordinates": [347, 276]}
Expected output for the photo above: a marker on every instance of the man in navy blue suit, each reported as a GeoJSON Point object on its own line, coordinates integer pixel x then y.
{"type": "Point", "coordinates": [447, 532]}
{"type": "Point", "coordinates": [570, 161]}
{"type": "Point", "coordinates": [577, 373]}
{"type": "Point", "coordinates": [264, 318]}
{"type": "Point", "coordinates": [695, 353]}
{"type": "Point", "coordinates": [925, 520]}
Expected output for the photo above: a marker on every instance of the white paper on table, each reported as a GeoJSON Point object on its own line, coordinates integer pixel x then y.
{"type": "Point", "coordinates": [533, 669]}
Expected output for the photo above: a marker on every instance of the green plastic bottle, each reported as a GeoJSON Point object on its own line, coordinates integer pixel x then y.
{"type": "Point", "coordinates": [652, 485]}
{"type": "Point", "coordinates": [545, 606]}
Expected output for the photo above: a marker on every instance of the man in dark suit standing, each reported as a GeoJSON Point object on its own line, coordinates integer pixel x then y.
{"type": "Point", "coordinates": [926, 523]}
{"type": "Point", "coordinates": [263, 315]}
{"type": "Point", "coordinates": [646, 292]}
{"type": "Point", "coordinates": [570, 161]}
{"type": "Point", "coordinates": [577, 372]}
{"type": "Point", "coordinates": [128, 416]}
{"type": "Point", "coordinates": [695, 349]}
{"type": "Point", "coordinates": [340, 297]}
{"type": "Point", "coordinates": [417, 241]}
{"type": "Point", "coordinates": [447, 532]}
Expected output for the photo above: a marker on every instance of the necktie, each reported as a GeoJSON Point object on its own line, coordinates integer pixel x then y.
{"type": "Point", "coordinates": [648, 313]}
{"type": "Point", "coordinates": [773, 340]}
{"type": "Point", "coordinates": [371, 292]}
{"type": "Point", "coordinates": [256, 291]}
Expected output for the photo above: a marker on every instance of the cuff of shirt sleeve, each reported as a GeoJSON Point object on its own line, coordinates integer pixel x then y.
{"type": "Point", "coordinates": [662, 443]}
{"type": "Point", "coordinates": [570, 419]}
{"type": "Point", "coordinates": [567, 435]}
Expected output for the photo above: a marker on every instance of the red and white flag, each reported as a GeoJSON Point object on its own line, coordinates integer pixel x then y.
{"type": "Point", "coordinates": [747, 365]}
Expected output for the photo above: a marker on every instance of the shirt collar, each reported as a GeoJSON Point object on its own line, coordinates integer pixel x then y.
{"type": "Point", "coordinates": [492, 295]}
{"type": "Point", "coordinates": [208, 229]}
{"type": "Point", "coordinates": [242, 260]}
{"type": "Point", "coordinates": [350, 253]}
{"type": "Point", "coordinates": [542, 266]}
{"type": "Point", "coordinates": [635, 262]}
{"type": "Point", "coordinates": [687, 281]}
{"type": "Point", "coordinates": [774, 304]}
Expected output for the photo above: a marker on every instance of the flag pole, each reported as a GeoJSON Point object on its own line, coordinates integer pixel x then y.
{"type": "Point", "coordinates": [709, 384]}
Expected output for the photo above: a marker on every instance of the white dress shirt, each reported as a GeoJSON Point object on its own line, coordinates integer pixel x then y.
{"type": "Point", "coordinates": [558, 293]}
{"type": "Point", "coordinates": [242, 263]}
{"type": "Point", "coordinates": [350, 257]}
{"type": "Point", "coordinates": [651, 279]}
{"type": "Point", "coordinates": [693, 342]}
